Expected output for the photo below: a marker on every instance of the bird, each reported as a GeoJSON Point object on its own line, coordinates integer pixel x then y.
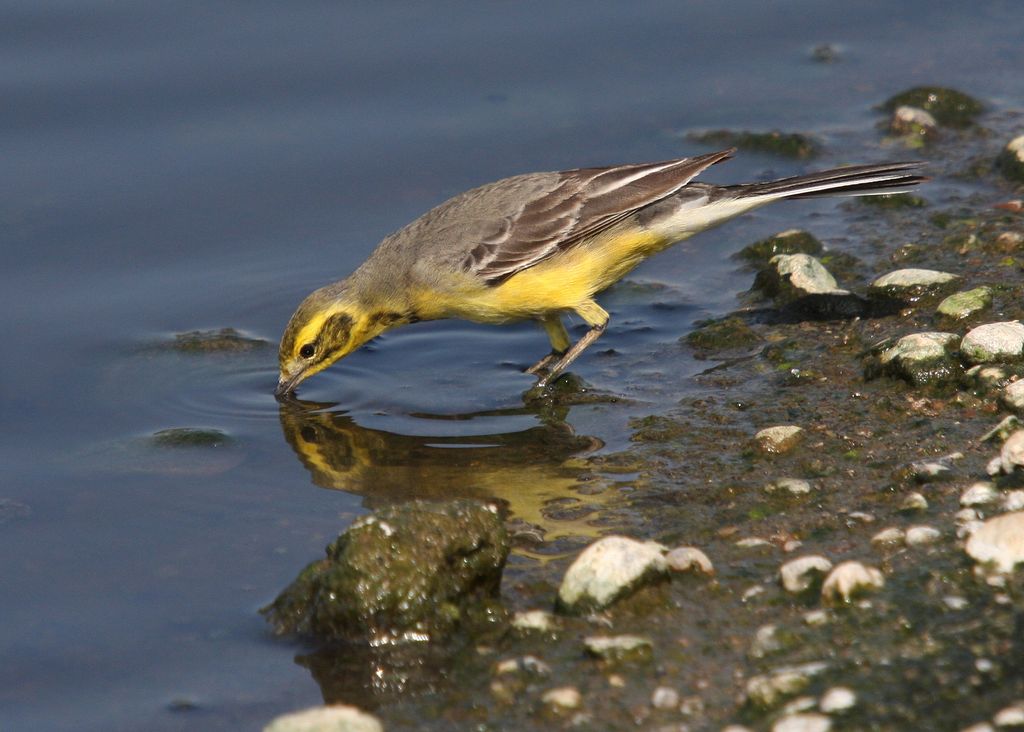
{"type": "Point", "coordinates": [538, 246]}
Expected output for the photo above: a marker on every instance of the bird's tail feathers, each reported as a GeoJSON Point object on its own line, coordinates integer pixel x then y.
{"type": "Point", "coordinates": [855, 180]}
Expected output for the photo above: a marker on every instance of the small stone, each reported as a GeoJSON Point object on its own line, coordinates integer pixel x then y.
{"type": "Point", "coordinates": [803, 723]}
{"type": "Point", "coordinates": [848, 579]}
{"type": "Point", "coordinates": [920, 358]}
{"type": "Point", "coordinates": [802, 274]}
{"type": "Point", "coordinates": [825, 53]}
{"type": "Point", "coordinates": [619, 647]}
{"type": "Point", "coordinates": [540, 621]}
{"type": "Point", "coordinates": [979, 494]}
{"type": "Point", "coordinates": [837, 699]}
{"type": "Point", "coordinates": [608, 570]}
{"type": "Point", "coordinates": [665, 697]}
{"type": "Point", "coordinates": [1013, 396]}
{"type": "Point", "coordinates": [334, 718]}
{"type": "Point", "coordinates": [752, 542]}
{"type": "Point", "coordinates": [1003, 430]}
{"type": "Point", "coordinates": [1012, 716]}
{"type": "Point", "coordinates": [523, 666]}
{"type": "Point", "coordinates": [1011, 160]}
{"type": "Point", "coordinates": [798, 705]}
{"type": "Point", "coordinates": [767, 690]}
{"type": "Point", "coordinates": [979, 727]}
{"type": "Point", "coordinates": [955, 602]}
{"type": "Point", "coordinates": [935, 471]}
{"type": "Point", "coordinates": [791, 241]}
{"type": "Point", "coordinates": [964, 304]}
{"type": "Point", "coordinates": [751, 592]}
{"type": "Point", "coordinates": [913, 122]}
{"type": "Point", "coordinates": [914, 502]}
{"type": "Point", "coordinates": [563, 698]}
{"type": "Point", "coordinates": [913, 285]}
{"type": "Point", "coordinates": [951, 108]}
{"type": "Point", "coordinates": [798, 575]}
{"type": "Point", "coordinates": [892, 536]}
{"type": "Point", "coordinates": [767, 640]}
{"type": "Point", "coordinates": [793, 486]}
{"type": "Point", "coordinates": [1011, 455]}
{"type": "Point", "coordinates": [817, 617]}
{"type": "Point", "coordinates": [689, 559]}
{"type": "Point", "coordinates": [779, 439]}
{"type": "Point", "coordinates": [920, 535]}
{"type": "Point", "coordinates": [1013, 501]}
{"type": "Point", "coordinates": [999, 541]}
{"type": "Point", "coordinates": [994, 342]}
{"type": "Point", "coordinates": [984, 378]}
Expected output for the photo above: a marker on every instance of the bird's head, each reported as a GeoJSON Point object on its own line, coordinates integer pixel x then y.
{"type": "Point", "coordinates": [327, 326]}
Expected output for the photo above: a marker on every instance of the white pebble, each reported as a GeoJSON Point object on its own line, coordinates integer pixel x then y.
{"type": "Point", "coordinates": [689, 559]}
{"type": "Point", "coordinates": [837, 699]}
{"type": "Point", "coordinates": [794, 486]}
{"type": "Point", "coordinates": [564, 697]}
{"type": "Point", "coordinates": [849, 578]}
{"type": "Point", "coordinates": [918, 535]}
{"type": "Point", "coordinates": [893, 536]}
{"type": "Point", "coordinates": [979, 494]}
{"type": "Point", "coordinates": [799, 574]}
{"type": "Point", "coordinates": [665, 697]}
{"type": "Point", "coordinates": [778, 439]}
{"type": "Point", "coordinates": [999, 540]}
{"type": "Point", "coordinates": [1013, 396]}
{"type": "Point", "coordinates": [335, 716]}
{"type": "Point", "coordinates": [914, 502]}
{"type": "Point", "coordinates": [1013, 500]}
{"type": "Point", "coordinates": [538, 620]}
{"type": "Point", "coordinates": [803, 723]}
{"type": "Point", "coordinates": [1012, 716]}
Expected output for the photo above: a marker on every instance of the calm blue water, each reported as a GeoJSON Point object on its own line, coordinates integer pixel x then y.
{"type": "Point", "coordinates": [168, 167]}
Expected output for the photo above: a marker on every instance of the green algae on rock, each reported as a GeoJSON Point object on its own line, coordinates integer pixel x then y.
{"type": "Point", "coordinates": [783, 144]}
{"type": "Point", "coordinates": [963, 304]}
{"type": "Point", "coordinates": [951, 108]}
{"type": "Point", "coordinates": [608, 570]}
{"type": "Point", "coordinates": [225, 340]}
{"type": "Point", "coordinates": [919, 358]}
{"type": "Point", "coordinates": [730, 333]}
{"type": "Point", "coordinates": [190, 437]}
{"type": "Point", "coordinates": [913, 285]}
{"type": "Point", "coordinates": [414, 571]}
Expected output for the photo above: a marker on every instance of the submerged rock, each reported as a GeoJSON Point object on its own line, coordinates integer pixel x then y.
{"type": "Point", "coordinates": [723, 335]}
{"type": "Point", "coordinates": [951, 108]}
{"type": "Point", "coordinates": [413, 571]}
{"type": "Point", "coordinates": [609, 569]}
{"type": "Point", "coordinates": [225, 340]}
{"type": "Point", "coordinates": [190, 437]}
{"type": "Point", "coordinates": [619, 648]}
{"type": "Point", "coordinates": [1011, 160]}
{"type": "Point", "coordinates": [912, 285]}
{"type": "Point", "coordinates": [999, 541]}
{"type": "Point", "coordinates": [849, 579]}
{"type": "Point", "coordinates": [964, 304]}
{"type": "Point", "coordinates": [994, 342]}
{"type": "Point", "coordinates": [920, 358]}
{"type": "Point", "coordinates": [791, 241]}
{"type": "Point", "coordinates": [334, 718]}
{"type": "Point", "coordinates": [767, 690]}
{"type": "Point", "coordinates": [914, 123]}
{"type": "Point", "coordinates": [783, 144]}
{"type": "Point", "coordinates": [801, 574]}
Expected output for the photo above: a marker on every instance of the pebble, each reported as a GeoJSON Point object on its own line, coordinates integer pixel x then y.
{"type": "Point", "coordinates": [816, 617]}
{"type": "Point", "coordinates": [1011, 159]}
{"type": "Point", "coordinates": [979, 727]}
{"type": "Point", "coordinates": [893, 536]}
{"type": "Point", "coordinates": [536, 620]}
{"type": "Point", "coordinates": [999, 541]}
{"type": "Point", "coordinates": [794, 486]}
{"type": "Point", "coordinates": [800, 704]}
{"type": "Point", "coordinates": [1010, 457]}
{"type": "Point", "coordinates": [987, 377]}
{"type": "Point", "coordinates": [797, 575]}
{"type": "Point", "coordinates": [802, 274]}
{"type": "Point", "coordinates": [907, 120]}
{"type": "Point", "coordinates": [334, 718]}
{"type": "Point", "coordinates": [609, 569]}
{"type": "Point", "coordinates": [911, 285]}
{"type": "Point", "coordinates": [779, 439]}
{"type": "Point", "coordinates": [933, 471]}
{"type": "Point", "coordinates": [994, 342]}
{"type": "Point", "coordinates": [619, 647]}
{"type": "Point", "coordinates": [1013, 396]}
{"type": "Point", "coordinates": [919, 535]}
{"type": "Point", "coordinates": [769, 689]}
{"type": "Point", "coordinates": [766, 641]}
{"type": "Point", "coordinates": [955, 602]}
{"type": "Point", "coordinates": [1013, 501]}
{"type": "Point", "coordinates": [803, 723]}
{"type": "Point", "coordinates": [848, 579]}
{"type": "Point", "coordinates": [564, 697]}
{"type": "Point", "coordinates": [963, 304]}
{"type": "Point", "coordinates": [920, 358]}
{"type": "Point", "coordinates": [837, 699]}
{"type": "Point", "coordinates": [689, 559]}
{"type": "Point", "coordinates": [525, 665]}
{"type": "Point", "coordinates": [914, 502]}
{"type": "Point", "coordinates": [979, 494]}
{"type": "Point", "coordinates": [1012, 716]}
{"type": "Point", "coordinates": [665, 697]}
{"type": "Point", "coordinates": [752, 542]}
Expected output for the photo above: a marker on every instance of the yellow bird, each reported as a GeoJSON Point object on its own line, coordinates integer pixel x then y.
{"type": "Point", "coordinates": [537, 246]}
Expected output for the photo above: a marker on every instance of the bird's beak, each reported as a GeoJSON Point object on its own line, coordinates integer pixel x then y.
{"type": "Point", "coordinates": [286, 384]}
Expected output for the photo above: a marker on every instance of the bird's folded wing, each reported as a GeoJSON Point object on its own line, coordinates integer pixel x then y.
{"type": "Point", "coordinates": [583, 203]}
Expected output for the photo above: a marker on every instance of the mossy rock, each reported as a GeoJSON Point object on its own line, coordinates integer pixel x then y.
{"type": "Point", "coordinates": [418, 570]}
{"type": "Point", "coordinates": [225, 340]}
{"type": "Point", "coordinates": [783, 144]}
{"type": "Point", "coordinates": [190, 437]}
{"type": "Point", "coordinates": [728, 334]}
{"type": "Point", "coordinates": [951, 108]}
{"type": "Point", "coordinates": [894, 201]}
{"type": "Point", "coordinates": [793, 241]}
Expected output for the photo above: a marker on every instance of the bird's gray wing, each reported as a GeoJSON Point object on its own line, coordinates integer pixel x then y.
{"type": "Point", "coordinates": [579, 204]}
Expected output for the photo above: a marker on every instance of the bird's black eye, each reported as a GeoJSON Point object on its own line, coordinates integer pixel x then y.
{"type": "Point", "coordinates": [307, 351]}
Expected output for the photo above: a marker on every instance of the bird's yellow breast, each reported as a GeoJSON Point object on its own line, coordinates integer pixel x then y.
{"type": "Point", "coordinates": [561, 282]}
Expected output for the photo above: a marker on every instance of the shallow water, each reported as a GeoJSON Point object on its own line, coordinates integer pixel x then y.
{"type": "Point", "coordinates": [171, 168]}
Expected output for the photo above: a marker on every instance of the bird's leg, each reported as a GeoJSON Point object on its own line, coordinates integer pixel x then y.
{"type": "Point", "coordinates": [559, 342]}
{"type": "Point", "coordinates": [597, 319]}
